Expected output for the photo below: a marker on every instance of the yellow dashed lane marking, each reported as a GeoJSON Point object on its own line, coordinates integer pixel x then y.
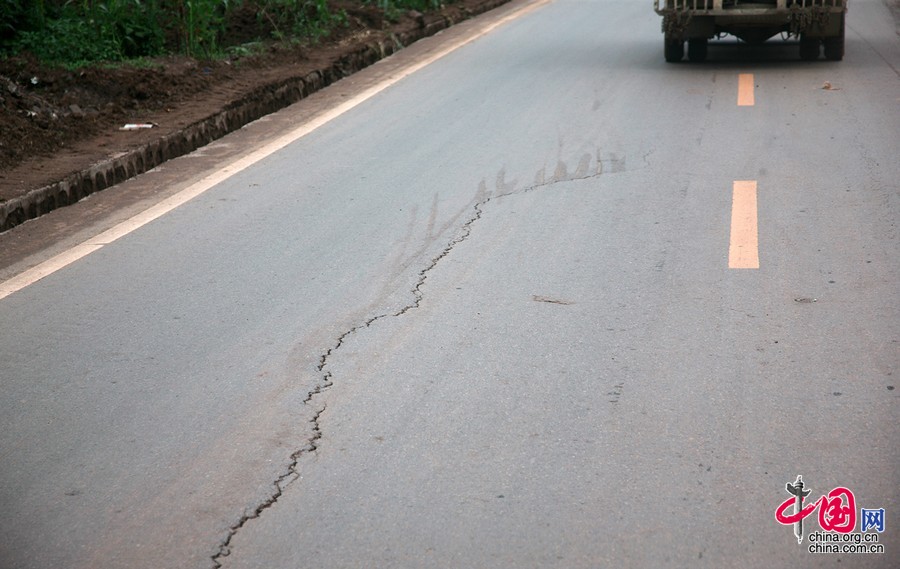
{"type": "Point", "coordinates": [746, 96]}
{"type": "Point", "coordinates": [743, 250]}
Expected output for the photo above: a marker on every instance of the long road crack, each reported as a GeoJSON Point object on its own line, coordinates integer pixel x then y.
{"type": "Point", "coordinates": [604, 166]}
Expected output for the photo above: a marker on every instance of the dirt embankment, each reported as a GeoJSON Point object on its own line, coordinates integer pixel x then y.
{"type": "Point", "coordinates": [60, 131]}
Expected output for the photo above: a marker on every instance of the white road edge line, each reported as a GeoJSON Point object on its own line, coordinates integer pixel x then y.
{"type": "Point", "coordinates": [69, 256]}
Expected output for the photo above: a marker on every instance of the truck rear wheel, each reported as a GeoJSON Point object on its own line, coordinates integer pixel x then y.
{"type": "Point", "coordinates": [834, 47]}
{"type": "Point", "coordinates": [697, 50]}
{"type": "Point", "coordinates": [674, 50]}
{"type": "Point", "coordinates": [809, 48]}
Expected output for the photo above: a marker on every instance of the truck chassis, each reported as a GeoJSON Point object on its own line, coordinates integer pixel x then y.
{"type": "Point", "coordinates": [816, 23]}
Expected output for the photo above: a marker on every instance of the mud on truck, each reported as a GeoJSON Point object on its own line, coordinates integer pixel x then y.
{"type": "Point", "coordinates": [816, 23]}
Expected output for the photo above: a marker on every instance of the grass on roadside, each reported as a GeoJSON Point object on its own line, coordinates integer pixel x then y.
{"type": "Point", "coordinates": [75, 33]}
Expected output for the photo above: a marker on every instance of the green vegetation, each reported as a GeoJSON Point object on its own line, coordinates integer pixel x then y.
{"type": "Point", "coordinates": [310, 19]}
{"type": "Point", "coordinates": [73, 33]}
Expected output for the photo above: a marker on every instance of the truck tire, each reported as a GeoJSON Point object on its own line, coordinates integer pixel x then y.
{"type": "Point", "coordinates": [809, 48]}
{"type": "Point", "coordinates": [834, 47]}
{"type": "Point", "coordinates": [674, 50]}
{"type": "Point", "coordinates": [697, 50]}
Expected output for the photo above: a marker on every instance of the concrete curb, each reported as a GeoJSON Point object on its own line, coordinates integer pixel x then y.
{"type": "Point", "coordinates": [250, 107]}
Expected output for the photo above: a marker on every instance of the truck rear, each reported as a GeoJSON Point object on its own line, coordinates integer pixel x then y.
{"type": "Point", "coordinates": [816, 23]}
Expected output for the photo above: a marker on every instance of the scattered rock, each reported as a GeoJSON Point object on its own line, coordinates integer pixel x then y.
{"type": "Point", "coordinates": [419, 17]}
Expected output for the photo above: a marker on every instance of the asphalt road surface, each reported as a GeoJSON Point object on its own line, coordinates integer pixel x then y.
{"type": "Point", "coordinates": [546, 301]}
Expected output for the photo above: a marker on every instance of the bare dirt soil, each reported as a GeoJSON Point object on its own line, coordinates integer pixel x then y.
{"type": "Point", "coordinates": [54, 122]}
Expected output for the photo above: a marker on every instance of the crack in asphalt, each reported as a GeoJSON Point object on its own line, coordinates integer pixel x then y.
{"type": "Point", "coordinates": [292, 474]}
{"type": "Point", "coordinates": [281, 483]}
